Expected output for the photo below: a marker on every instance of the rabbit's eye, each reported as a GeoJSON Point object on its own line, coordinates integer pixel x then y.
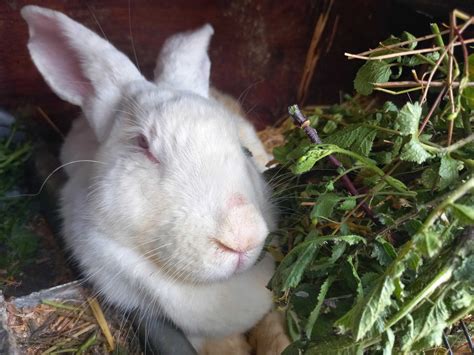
{"type": "Point", "coordinates": [143, 142]}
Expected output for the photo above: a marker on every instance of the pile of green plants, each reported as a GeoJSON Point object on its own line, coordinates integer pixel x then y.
{"type": "Point", "coordinates": [387, 264]}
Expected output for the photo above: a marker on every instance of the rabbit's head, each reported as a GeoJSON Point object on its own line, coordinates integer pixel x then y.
{"type": "Point", "coordinates": [175, 184]}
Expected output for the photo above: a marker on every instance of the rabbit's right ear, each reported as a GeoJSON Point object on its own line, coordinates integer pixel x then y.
{"type": "Point", "coordinates": [183, 62]}
{"type": "Point", "coordinates": [80, 67]}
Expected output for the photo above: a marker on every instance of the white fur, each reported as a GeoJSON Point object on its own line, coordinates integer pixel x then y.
{"type": "Point", "coordinates": [144, 233]}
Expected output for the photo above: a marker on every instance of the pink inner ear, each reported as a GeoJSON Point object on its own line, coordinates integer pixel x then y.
{"type": "Point", "coordinates": [57, 60]}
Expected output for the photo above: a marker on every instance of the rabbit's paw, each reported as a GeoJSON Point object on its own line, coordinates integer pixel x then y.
{"type": "Point", "coordinates": [268, 337]}
{"type": "Point", "coordinates": [234, 344]}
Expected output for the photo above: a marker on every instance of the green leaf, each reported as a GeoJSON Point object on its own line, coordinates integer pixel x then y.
{"type": "Point", "coordinates": [311, 157]}
{"type": "Point", "coordinates": [317, 309]}
{"type": "Point", "coordinates": [465, 272]}
{"type": "Point", "coordinates": [428, 242]}
{"type": "Point", "coordinates": [429, 323]}
{"type": "Point", "coordinates": [355, 275]}
{"type": "Point", "coordinates": [362, 317]}
{"type": "Point", "coordinates": [354, 137]}
{"type": "Point", "coordinates": [299, 266]}
{"type": "Point", "coordinates": [371, 72]}
{"type": "Point", "coordinates": [407, 36]}
{"type": "Point", "coordinates": [429, 177]}
{"type": "Point", "coordinates": [348, 204]}
{"type": "Point", "coordinates": [463, 212]}
{"type": "Point", "coordinates": [324, 206]}
{"type": "Point", "coordinates": [384, 252]}
{"type": "Point", "coordinates": [413, 151]}
{"type": "Point", "coordinates": [409, 118]}
{"type": "Point", "coordinates": [448, 172]}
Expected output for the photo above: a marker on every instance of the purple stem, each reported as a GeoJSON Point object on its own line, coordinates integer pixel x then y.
{"type": "Point", "coordinates": [301, 121]}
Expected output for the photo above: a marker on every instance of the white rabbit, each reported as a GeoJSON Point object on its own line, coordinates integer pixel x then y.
{"type": "Point", "coordinates": [173, 216]}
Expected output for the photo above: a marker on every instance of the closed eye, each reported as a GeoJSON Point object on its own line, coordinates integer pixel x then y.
{"type": "Point", "coordinates": [142, 142]}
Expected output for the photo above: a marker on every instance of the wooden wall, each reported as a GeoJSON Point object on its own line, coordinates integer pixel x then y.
{"type": "Point", "coordinates": [257, 53]}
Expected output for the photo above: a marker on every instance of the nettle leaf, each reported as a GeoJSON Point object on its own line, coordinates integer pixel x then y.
{"type": "Point", "coordinates": [313, 317]}
{"type": "Point", "coordinates": [465, 272]}
{"type": "Point", "coordinates": [355, 275]}
{"type": "Point", "coordinates": [430, 321]}
{"type": "Point", "coordinates": [448, 172]}
{"type": "Point", "coordinates": [293, 266]}
{"type": "Point", "coordinates": [373, 71]}
{"type": "Point", "coordinates": [465, 213]}
{"type": "Point", "coordinates": [428, 242]}
{"type": "Point", "coordinates": [348, 204]}
{"type": "Point", "coordinates": [413, 151]}
{"type": "Point", "coordinates": [324, 206]}
{"type": "Point", "coordinates": [407, 36]}
{"type": "Point", "coordinates": [355, 137]}
{"type": "Point", "coordinates": [362, 317]}
{"type": "Point", "coordinates": [384, 252]}
{"type": "Point", "coordinates": [311, 157]}
{"type": "Point", "coordinates": [299, 266]}
{"type": "Point", "coordinates": [408, 118]}
{"type": "Point", "coordinates": [429, 177]}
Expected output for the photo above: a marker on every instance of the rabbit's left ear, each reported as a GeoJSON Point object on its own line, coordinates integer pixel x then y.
{"type": "Point", "coordinates": [81, 67]}
{"type": "Point", "coordinates": [183, 62]}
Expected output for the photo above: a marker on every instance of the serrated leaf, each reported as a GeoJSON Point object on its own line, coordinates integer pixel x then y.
{"type": "Point", "coordinates": [465, 213]}
{"type": "Point", "coordinates": [465, 272]}
{"type": "Point", "coordinates": [362, 317]}
{"type": "Point", "coordinates": [311, 157]}
{"type": "Point", "coordinates": [448, 172]}
{"type": "Point", "coordinates": [298, 267]}
{"type": "Point", "coordinates": [355, 137]}
{"type": "Point", "coordinates": [313, 317]}
{"type": "Point", "coordinates": [384, 252]}
{"type": "Point", "coordinates": [371, 72]}
{"type": "Point", "coordinates": [429, 177]}
{"type": "Point", "coordinates": [324, 206]}
{"type": "Point", "coordinates": [355, 275]}
{"type": "Point", "coordinates": [348, 204]}
{"type": "Point", "coordinates": [429, 323]}
{"type": "Point", "coordinates": [428, 242]}
{"type": "Point", "coordinates": [408, 118]}
{"type": "Point", "coordinates": [413, 151]}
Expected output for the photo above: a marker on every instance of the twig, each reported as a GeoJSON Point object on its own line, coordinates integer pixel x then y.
{"type": "Point", "coordinates": [432, 109]}
{"type": "Point", "coordinates": [312, 56]}
{"type": "Point", "coordinates": [50, 121]}
{"type": "Point", "coordinates": [420, 83]}
{"type": "Point", "coordinates": [441, 57]}
{"type": "Point", "coordinates": [459, 144]}
{"type": "Point", "coordinates": [399, 44]}
{"type": "Point", "coordinates": [301, 121]}
{"type": "Point", "coordinates": [404, 53]}
{"type": "Point", "coordinates": [99, 315]}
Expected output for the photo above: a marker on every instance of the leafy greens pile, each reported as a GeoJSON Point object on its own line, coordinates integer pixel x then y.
{"type": "Point", "coordinates": [389, 267]}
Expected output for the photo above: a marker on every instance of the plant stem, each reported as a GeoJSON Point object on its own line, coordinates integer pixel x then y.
{"type": "Point", "coordinates": [410, 52]}
{"type": "Point", "coordinates": [443, 276]}
{"type": "Point", "coordinates": [301, 121]}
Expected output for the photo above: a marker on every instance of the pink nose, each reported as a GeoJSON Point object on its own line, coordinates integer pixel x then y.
{"type": "Point", "coordinates": [241, 229]}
